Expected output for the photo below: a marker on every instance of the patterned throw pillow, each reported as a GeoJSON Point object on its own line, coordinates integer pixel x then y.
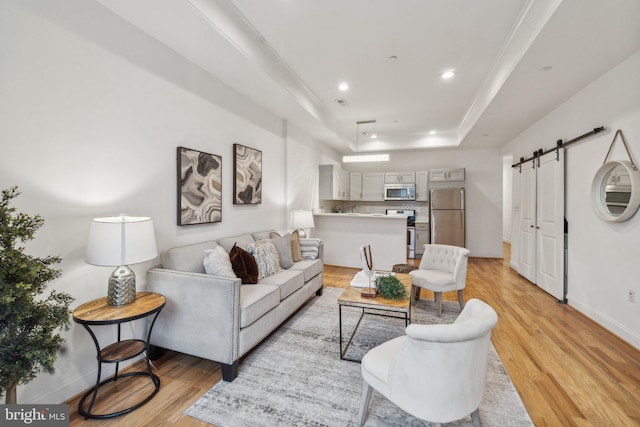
{"type": "Point", "coordinates": [266, 256]}
{"type": "Point", "coordinates": [217, 262]}
{"type": "Point", "coordinates": [244, 265]}
{"type": "Point", "coordinates": [310, 248]}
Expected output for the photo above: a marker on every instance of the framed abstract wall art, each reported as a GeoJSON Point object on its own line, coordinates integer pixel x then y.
{"type": "Point", "coordinates": [247, 172]}
{"type": "Point", "coordinates": [199, 187]}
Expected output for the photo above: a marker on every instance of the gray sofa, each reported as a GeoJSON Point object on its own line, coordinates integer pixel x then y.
{"type": "Point", "coordinates": [219, 318]}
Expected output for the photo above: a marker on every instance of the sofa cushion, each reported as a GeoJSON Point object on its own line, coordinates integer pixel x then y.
{"type": "Point", "coordinates": [266, 256]}
{"type": "Point", "coordinates": [217, 263]}
{"type": "Point", "coordinates": [283, 245]}
{"type": "Point", "coordinates": [244, 265]}
{"type": "Point", "coordinates": [310, 268]}
{"type": "Point", "coordinates": [261, 235]}
{"type": "Point", "coordinates": [288, 281]}
{"type": "Point", "coordinates": [296, 253]}
{"type": "Point", "coordinates": [187, 258]}
{"type": "Point", "coordinates": [242, 241]}
{"type": "Point", "coordinates": [255, 301]}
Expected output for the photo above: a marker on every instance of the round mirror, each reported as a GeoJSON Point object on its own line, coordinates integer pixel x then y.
{"type": "Point", "coordinates": [615, 192]}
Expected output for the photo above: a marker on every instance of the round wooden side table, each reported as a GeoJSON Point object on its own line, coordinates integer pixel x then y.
{"type": "Point", "coordinates": [99, 312]}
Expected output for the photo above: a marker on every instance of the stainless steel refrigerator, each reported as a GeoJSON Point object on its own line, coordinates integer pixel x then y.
{"type": "Point", "coordinates": [446, 216]}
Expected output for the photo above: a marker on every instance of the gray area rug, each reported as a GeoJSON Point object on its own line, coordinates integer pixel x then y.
{"type": "Point", "coordinates": [296, 378]}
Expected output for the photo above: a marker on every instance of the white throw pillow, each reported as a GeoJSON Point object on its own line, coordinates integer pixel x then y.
{"type": "Point", "coordinates": [217, 262]}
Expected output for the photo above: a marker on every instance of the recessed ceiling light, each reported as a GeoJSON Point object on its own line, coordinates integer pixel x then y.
{"type": "Point", "coordinates": [432, 132]}
{"type": "Point", "coordinates": [448, 74]}
{"type": "Point", "coordinates": [392, 58]}
{"type": "Point", "coordinates": [366, 158]}
{"type": "Point", "coordinates": [547, 68]}
{"type": "Point", "coordinates": [374, 136]}
{"type": "Point", "coordinates": [343, 86]}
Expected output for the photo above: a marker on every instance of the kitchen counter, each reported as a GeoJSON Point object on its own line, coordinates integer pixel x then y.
{"type": "Point", "coordinates": [344, 234]}
{"type": "Point", "coordinates": [358, 215]}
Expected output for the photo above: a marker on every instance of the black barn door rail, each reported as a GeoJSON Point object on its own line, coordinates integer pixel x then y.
{"type": "Point", "coordinates": [559, 144]}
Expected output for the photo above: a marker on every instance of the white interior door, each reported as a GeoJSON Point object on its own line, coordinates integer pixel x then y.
{"type": "Point", "coordinates": [550, 224]}
{"type": "Point", "coordinates": [527, 230]}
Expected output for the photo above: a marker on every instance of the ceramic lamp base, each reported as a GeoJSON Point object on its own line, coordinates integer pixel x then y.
{"type": "Point", "coordinates": [369, 293]}
{"type": "Point", "coordinates": [122, 286]}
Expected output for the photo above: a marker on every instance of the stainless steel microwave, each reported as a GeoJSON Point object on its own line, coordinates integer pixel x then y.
{"type": "Point", "coordinates": [400, 192]}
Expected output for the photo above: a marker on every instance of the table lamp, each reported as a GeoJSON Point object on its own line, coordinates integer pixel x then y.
{"type": "Point", "coordinates": [118, 242]}
{"type": "Point", "coordinates": [300, 220]}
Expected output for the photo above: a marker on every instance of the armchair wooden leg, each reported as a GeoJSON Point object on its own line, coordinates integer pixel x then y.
{"type": "Point", "coordinates": [438, 298]}
{"type": "Point", "coordinates": [365, 397]}
{"type": "Point", "coordinates": [460, 299]}
{"type": "Point", "coordinates": [415, 293]}
{"type": "Point", "coordinates": [475, 417]}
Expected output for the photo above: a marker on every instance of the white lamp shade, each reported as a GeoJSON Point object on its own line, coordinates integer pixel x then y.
{"type": "Point", "coordinates": [122, 240]}
{"type": "Point", "coordinates": [302, 219]}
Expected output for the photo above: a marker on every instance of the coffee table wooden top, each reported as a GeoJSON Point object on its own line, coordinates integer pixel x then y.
{"type": "Point", "coordinates": [351, 297]}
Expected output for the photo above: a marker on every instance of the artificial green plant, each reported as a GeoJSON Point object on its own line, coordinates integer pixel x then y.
{"type": "Point", "coordinates": [390, 287]}
{"type": "Point", "coordinates": [29, 322]}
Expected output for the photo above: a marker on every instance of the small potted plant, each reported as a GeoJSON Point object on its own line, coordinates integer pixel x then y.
{"type": "Point", "coordinates": [390, 287]}
{"type": "Point", "coordinates": [29, 322]}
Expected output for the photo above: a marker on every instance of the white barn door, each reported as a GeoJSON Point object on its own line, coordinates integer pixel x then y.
{"type": "Point", "coordinates": [550, 224]}
{"type": "Point", "coordinates": [541, 259]}
{"type": "Point", "coordinates": [527, 230]}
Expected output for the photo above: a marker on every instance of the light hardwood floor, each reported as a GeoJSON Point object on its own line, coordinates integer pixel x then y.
{"type": "Point", "coordinates": [568, 370]}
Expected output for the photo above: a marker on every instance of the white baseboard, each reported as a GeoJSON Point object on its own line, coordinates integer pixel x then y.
{"type": "Point", "coordinates": [71, 388]}
{"type": "Point", "coordinates": [632, 337]}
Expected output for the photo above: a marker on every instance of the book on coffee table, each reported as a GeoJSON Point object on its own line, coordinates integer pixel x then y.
{"type": "Point", "coordinates": [360, 280]}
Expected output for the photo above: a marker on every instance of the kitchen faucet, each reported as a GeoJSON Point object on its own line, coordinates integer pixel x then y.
{"type": "Point", "coordinates": [353, 207]}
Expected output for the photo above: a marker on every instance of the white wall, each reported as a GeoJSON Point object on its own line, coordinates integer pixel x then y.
{"type": "Point", "coordinates": [304, 155]}
{"type": "Point", "coordinates": [483, 189]}
{"type": "Point", "coordinates": [507, 185]}
{"type": "Point", "coordinates": [91, 112]}
{"type": "Point", "coordinates": [602, 257]}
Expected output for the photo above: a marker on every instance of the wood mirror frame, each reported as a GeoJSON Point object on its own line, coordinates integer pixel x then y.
{"type": "Point", "coordinates": [606, 209]}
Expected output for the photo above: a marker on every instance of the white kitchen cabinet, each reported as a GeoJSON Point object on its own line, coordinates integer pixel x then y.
{"type": "Point", "coordinates": [400, 178]}
{"type": "Point", "coordinates": [444, 175]}
{"type": "Point", "coordinates": [373, 186]}
{"type": "Point", "coordinates": [334, 183]}
{"type": "Point", "coordinates": [422, 237]}
{"type": "Point", "coordinates": [344, 184]}
{"type": "Point", "coordinates": [355, 186]}
{"type": "Point", "coordinates": [422, 186]}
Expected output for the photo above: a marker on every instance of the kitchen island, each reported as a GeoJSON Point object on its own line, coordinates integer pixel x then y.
{"type": "Point", "coordinates": [344, 234]}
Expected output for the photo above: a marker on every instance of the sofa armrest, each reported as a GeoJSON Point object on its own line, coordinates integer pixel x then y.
{"type": "Point", "coordinates": [202, 314]}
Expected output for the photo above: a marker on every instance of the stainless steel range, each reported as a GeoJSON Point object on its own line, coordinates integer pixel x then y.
{"type": "Point", "coordinates": [410, 214]}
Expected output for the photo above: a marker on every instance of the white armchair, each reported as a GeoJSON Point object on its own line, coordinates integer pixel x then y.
{"type": "Point", "coordinates": [434, 372]}
{"type": "Point", "coordinates": [443, 268]}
